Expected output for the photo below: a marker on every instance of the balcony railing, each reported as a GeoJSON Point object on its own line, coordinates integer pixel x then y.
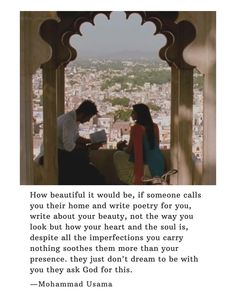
{"type": "Point", "coordinates": [103, 160]}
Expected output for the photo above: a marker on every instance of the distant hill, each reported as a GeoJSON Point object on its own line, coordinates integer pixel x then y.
{"type": "Point", "coordinates": [126, 54]}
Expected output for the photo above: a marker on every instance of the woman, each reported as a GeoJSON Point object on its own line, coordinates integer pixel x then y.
{"type": "Point", "coordinates": [143, 148]}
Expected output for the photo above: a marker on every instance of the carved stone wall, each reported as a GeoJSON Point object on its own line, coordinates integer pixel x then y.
{"type": "Point", "coordinates": [34, 51]}
{"type": "Point", "coordinates": [202, 53]}
{"type": "Point", "coordinates": [182, 52]}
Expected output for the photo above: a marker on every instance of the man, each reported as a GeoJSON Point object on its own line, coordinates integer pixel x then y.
{"type": "Point", "coordinates": [73, 150]}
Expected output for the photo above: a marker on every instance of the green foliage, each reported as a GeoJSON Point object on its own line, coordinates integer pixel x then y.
{"type": "Point", "coordinates": [122, 80]}
{"type": "Point", "coordinates": [138, 79]}
{"type": "Point", "coordinates": [122, 115]}
{"type": "Point", "coordinates": [100, 65]}
{"type": "Point", "coordinates": [153, 106]}
{"type": "Point", "coordinates": [124, 101]}
{"type": "Point", "coordinates": [152, 77]}
{"type": "Point", "coordinates": [198, 81]}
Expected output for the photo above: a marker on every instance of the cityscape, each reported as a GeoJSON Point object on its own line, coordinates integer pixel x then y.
{"type": "Point", "coordinates": [115, 85]}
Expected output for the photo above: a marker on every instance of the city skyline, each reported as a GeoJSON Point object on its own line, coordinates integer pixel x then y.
{"type": "Point", "coordinates": [115, 87]}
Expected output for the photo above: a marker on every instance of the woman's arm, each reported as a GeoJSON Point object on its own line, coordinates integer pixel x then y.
{"type": "Point", "coordinates": [129, 148]}
{"type": "Point", "coordinates": [138, 133]}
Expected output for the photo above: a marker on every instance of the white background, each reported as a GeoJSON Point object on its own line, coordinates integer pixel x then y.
{"type": "Point", "coordinates": [214, 230]}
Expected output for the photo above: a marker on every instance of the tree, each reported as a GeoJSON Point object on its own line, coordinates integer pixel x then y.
{"type": "Point", "coordinates": [124, 101]}
{"type": "Point", "coordinates": [138, 78]}
{"type": "Point", "coordinates": [153, 106]}
{"type": "Point", "coordinates": [122, 115]}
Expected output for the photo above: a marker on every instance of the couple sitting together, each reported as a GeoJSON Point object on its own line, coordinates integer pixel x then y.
{"type": "Point", "coordinates": [140, 157]}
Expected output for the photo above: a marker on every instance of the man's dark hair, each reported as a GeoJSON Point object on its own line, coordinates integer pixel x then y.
{"type": "Point", "coordinates": [87, 107]}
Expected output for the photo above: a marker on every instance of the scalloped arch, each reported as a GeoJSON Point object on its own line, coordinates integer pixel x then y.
{"type": "Point", "coordinates": [57, 34]}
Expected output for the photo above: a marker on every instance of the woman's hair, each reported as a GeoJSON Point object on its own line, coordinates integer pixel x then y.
{"type": "Point", "coordinates": [144, 118]}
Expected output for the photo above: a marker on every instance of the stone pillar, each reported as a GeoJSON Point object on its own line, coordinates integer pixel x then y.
{"type": "Point", "coordinates": [26, 141]}
{"type": "Point", "coordinates": [181, 125]}
{"type": "Point", "coordinates": [209, 127]}
{"type": "Point", "coordinates": [50, 170]}
{"type": "Point", "coordinates": [209, 102]}
{"type": "Point", "coordinates": [174, 130]}
{"type": "Point", "coordinates": [185, 126]}
{"type": "Point", "coordinates": [202, 54]}
{"type": "Point", "coordinates": [33, 52]}
{"type": "Point", "coordinates": [60, 82]}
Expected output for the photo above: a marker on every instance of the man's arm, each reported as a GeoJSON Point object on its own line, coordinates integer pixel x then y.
{"type": "Point", "coordinates": [83, 140]}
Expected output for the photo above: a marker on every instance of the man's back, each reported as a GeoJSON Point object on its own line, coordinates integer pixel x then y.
{"type": "Point", "coordinates": [67, 131]}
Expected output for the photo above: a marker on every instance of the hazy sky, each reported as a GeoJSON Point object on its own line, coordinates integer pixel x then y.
{"type": "Point", "coordinates": [116, 35]}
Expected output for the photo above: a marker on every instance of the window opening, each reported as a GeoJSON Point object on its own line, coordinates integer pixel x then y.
{"type": "Point", "coordinates": [116, 77]}
{"type": "Point", "coordinates": [198, 98]}
{"type": "Point", "coordinates": [37, 112]}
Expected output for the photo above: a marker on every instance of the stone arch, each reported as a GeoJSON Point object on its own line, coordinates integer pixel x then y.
{"type": "Point", "coordinates": [179, 35]}
{"type": "Point", "coordinates": [57, 34]}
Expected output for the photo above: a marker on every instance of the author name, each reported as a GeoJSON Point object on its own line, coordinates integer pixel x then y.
{"type": "Point", "coordinates": [81, 284]}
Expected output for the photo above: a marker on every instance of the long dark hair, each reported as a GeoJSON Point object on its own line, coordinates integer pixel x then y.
{"type": "Point", "coordinates": [144, 118]}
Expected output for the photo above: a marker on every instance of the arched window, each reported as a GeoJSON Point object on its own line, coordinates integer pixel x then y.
{"type": "Point", "coordinates": [178, 34]}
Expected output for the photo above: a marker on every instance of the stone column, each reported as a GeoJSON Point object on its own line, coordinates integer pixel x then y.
{"type": "Point", "coordinates": [181, 125]}
{"type": "Point", "coordinates": [209, 103]}
{"type": "Point", "coordinates": [202, 54]}
{"type": "Point", "coordinates": [26, 141]}
{"type": "Point", "coordinates": [60, 82]}
{"type": "Point", "coordinates": [209, 127]}
{"type": "Point", "coordinates": [50, 170]}
{"type": "Point", "coordinates": [174, 130]}
{"type": "Point", "coordinates": [33, 52]}
{"type": "Point", "coordinates": [185, 126]}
